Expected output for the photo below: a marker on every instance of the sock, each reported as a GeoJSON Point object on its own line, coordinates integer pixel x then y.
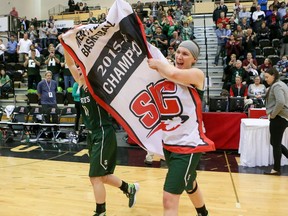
{"type": "Point", "coordinates": [202, 211]}
{"type": "Point", "coordinates": [124, 187]}
{"type": "Point", "coordinates": [100, 208]}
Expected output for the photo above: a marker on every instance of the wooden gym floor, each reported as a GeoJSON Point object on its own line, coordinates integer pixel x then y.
{"type": "Point", "coordinates": [42, 182]}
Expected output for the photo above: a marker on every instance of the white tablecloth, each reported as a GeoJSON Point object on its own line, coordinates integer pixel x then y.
{"type": "Point", "coordinates": [254, 145]}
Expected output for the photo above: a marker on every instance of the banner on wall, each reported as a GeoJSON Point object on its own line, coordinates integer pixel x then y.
{"type": "Point", "coordinates": [4, 24]}
{"type": "Point", "coordinates": [60, 24]}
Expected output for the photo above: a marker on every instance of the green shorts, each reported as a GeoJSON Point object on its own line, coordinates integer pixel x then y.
{"type": "Point", "coordinates": [181, 171]}
{"type": "Point", "coordinates": [102, 147]}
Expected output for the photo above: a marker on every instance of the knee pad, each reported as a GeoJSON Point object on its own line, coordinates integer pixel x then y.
{"type": "Point", "coordinates": [194, 189]}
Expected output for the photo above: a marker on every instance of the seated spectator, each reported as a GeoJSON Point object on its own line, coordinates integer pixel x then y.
{"type": "Point", "coordinates": [85, 8]}
{"type": "Point", "coordinates": [102, 18]}
{"type": "Point", "coordinates": [240, 90]}
{"type": "Point", "coordinates": [282, 66]}
{"type": "Point", "coordinates": [250, 65]}
{"type": "Point", "coordinates": [264, 67]}
{"type": "Point", "coordinates": [257, 92]}
{"type": "Point", "coordinates": [234, 71]}
{"type": "Point", "coordinates": [148, 32]}
{"type": "Point", "coordinates": [91, 19]}
{"type": "Point", "coordinates": [263, 32]}
{"type": "Point", "coordinates": [4, 82]}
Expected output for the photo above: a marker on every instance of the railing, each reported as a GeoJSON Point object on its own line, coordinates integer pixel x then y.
{"type": "Point", "coordinates": [57, 10]}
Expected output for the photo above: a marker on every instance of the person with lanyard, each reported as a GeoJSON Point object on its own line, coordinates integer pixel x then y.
{"type": "Point", "coordinates": [277, 111]}
{"type": "Point", "coordinates": [102, 145]}
{"type": "Point", "coordinates": [46, 90]}
{"type": "Point", "coordinates": [179, 145]}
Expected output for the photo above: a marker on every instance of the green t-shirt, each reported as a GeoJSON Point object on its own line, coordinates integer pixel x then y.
{"type": "Point", "coordinates": [32, 67]}
{"type": "Point", "coordinates": [53, 66]}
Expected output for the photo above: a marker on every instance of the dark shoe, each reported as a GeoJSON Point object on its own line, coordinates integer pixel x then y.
{"type": "Point", "coordinates": [101, 214]}
{"type": "Point", "coordinates": [277, 173]}
{"type": "Point", "coordinates": [132, 190]}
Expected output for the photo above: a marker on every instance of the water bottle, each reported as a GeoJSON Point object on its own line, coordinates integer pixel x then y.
{"type": "Point", "coordinates": [206, 108]}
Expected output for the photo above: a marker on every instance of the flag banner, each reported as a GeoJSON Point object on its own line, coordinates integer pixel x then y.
{"type": "Point", "coordinates": [113, 57]}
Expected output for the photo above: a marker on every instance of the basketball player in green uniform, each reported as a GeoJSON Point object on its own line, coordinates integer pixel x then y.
{"type": "Point", "coordinates": [102, 145]}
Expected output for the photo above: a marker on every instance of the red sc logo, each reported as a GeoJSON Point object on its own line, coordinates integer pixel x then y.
{"type": "Point", "coordinates": [157, 102]}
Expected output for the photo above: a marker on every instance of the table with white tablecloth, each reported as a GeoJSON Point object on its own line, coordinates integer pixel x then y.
{"type": "Point", "coordinates": [254, 145]}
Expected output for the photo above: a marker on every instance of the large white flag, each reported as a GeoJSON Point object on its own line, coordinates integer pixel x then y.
{"type": "Point", "coordinates": [113, 56]}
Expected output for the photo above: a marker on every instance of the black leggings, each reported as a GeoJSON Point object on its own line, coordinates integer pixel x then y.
{"type": "Point", "coordinates": [277, 127]}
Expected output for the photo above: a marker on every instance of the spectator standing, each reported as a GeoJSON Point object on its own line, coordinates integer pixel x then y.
{"type": "Point", "coordinates": [52, 33]}
{"type": "Point", "coordinates": [43, 30]}
{"type": "Point", "coordinates": [68, 78]}
{"type": "Point", "coordinates": [11, 50]}
{"type": "Point", "coordinates": [46, 90]}
{"type": "Point", "coordinates": [221, 36]}
{"type": "Point", "coordinates": [71, 5]}
{"type": "Point", "coordinates": [187, 7]}
{"type": "Point", "coordinates": [23, 47]}
{"type": "Point", "coordinates": [53, 64]}
{"type": "Point", "coordinates": [33, 69]}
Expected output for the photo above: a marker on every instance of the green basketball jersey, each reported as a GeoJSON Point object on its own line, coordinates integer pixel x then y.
{"type": "Point", "coordinates": [94, 116]}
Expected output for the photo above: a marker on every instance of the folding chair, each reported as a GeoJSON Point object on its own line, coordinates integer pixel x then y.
{"type": "Point", "coordinates": [33, 124]}
{"type": "Point", "coordinates": [260, 59]}
{"type": "Point", "coordinates": [276, 43]}
{"type": "Point", "coordinates": [269, 51]}
{"type": "Point", "coordinates": [67, 123]}
{"type": "Point", "coordinates": [32, 98]}
{"type": "Point", "coordinates": [18, 118]}
{"type": "Point", "coordinates": [274, 59]}
{"type": "Point", "coordinates": [50, 126]}
{"type": "Point", "coordinates": [69, 98]}
{"type": "Point", "coordinates": [258, 51]}
{"type": "Point", "coordinates": [264, 43]}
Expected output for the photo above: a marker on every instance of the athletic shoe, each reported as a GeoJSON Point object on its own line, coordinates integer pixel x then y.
{"type": "Point", "coordinates": [149, 159]}
{"type": "Point", "coordinates": [132, 190]}
{"type": "Point", "coordinates": [101, 214]}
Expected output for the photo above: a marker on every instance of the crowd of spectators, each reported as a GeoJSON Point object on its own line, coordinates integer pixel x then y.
{"type": "Point", "coordinates": [249, 42]}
